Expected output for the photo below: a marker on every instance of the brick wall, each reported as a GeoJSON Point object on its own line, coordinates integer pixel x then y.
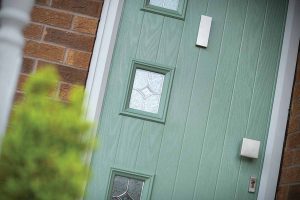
{"type": "Point", "coordinates": [61, 32]}
{"type": "Point", "coordinates": [289, 179]}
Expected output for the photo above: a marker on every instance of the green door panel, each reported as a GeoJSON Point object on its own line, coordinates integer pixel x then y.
{"type": "Point", "coordinates": [219, 95]}
{"type": "Point", "coordinates": [264, 87]}
{"type": "Point", "coordinates": [237, 124]}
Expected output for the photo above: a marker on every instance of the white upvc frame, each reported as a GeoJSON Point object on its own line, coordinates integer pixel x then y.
{"type": "Point", "coordinates": [100, 64]}
{"type": "Point", "coordinates": [101, 57]}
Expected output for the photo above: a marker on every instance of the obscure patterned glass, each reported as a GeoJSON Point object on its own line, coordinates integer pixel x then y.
{"type": "Point", "coordinates": [168, 4]}
{"type": "Point", "coordinates": [146, 91]}
{"type": "Point", "coordinates": [126, 188]}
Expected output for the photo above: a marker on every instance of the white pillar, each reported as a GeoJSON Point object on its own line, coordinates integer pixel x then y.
{"type": "Point", "coordinates": [14, 15]}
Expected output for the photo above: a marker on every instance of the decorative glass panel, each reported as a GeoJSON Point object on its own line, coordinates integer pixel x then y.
{"type": "Point", "coordinates": [126, 188]}
{"type": "Point", "coordinates": [146, 91]}
{"type": "Point", "coordinates": [168, 4]}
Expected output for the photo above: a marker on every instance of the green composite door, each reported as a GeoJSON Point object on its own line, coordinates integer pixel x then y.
{"type": "Point", "coordinates": [175, 114]}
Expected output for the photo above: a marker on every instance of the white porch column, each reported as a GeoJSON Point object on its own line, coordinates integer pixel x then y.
{"type": "Point", "coordinates": [14, 15]}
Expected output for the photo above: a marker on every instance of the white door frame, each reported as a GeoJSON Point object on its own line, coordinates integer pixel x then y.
{"type": "Point", "coordinates": [102, 56]}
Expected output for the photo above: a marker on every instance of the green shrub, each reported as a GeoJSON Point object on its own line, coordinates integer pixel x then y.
{"type": "Point", "coordinates": [42, 151]}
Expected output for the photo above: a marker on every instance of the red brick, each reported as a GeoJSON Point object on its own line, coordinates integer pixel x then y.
{"type": "Point", "coordinates": [290, 175]}
{"type": "Point", "coordinates": [22, 80]}
{"type": "Point", "coordinates": [42, 2]}
{"type": "Point", "coordinates": [298, 76]}
{"type": "Point", "coordinates": [282, 192]}
{"type": "Point", "coordinates": [51, 17]}
{"type": "Point", "coordinates": [283, 174]}
{"type": "Point", "coordinates": [296, 100]}
{"type": "Point", "coordinates": [294, 124]}
{"type": "Point", "coordinates": [295, 109]}
{"type": "Point", "coordinates": [64, 91]}
{"type": "Point", "coordinates": [296, 157]}
{"type": "Point", "coordinates": [85, 25]}
{"type": "Point", "coordinates": [27, 66]}
{"type": "Point", "coordinates": [287, 158]}
{"type": "Point", "coordinates": [44, 51]}
{"type": "Point", "coordinates": [33, 31]}
{"type": "Point", "coordinates": [78, 58]}
{"type": "Point", "coordinates": [298, 70]}
{"type": "Point", "coordinates": [293, 140]}
{"type": "Point", "coordinates": [18, 96]}
{"type": "Point", "coordinates": [69, 74]}
{"type": "Point", "coordinates": [294, 192]}
{"type": "Point", "coordinates": [296, 91]}
{"type": "Point", "coordinates": [70, 39]}
{"type": "Point", "coordinates": [87, 7]}
{"type": "Point", "coordinates": [291, 157]}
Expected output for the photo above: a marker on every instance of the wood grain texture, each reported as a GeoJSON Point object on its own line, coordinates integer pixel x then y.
{"type": "Point", "coordinates": [179, 104]}
{"type": "Point", "coordinates": [263, 93]}
{"type": "Point", "coordinates": [110, 125]}
{"type": "Point", "coordinates": [199, 105]}
{"type": "Point", "coordinates": [221, 99]}
{"type": "Point", "coordinates": [153, 132]}
{"type": "Point", "coordinates": [132, 128]}
{"type": "Point", "coordinates": [241, 100]}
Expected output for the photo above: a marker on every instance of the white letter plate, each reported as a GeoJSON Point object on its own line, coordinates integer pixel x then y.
{"type": "Point", "coordinates": [204, 30]}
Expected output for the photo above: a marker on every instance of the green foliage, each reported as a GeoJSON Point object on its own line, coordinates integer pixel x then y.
{"type": "Point", "coordinates": [42, 152]}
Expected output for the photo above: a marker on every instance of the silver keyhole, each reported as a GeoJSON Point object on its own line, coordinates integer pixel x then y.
{"type": "Point", "coordinates": [252, 184]}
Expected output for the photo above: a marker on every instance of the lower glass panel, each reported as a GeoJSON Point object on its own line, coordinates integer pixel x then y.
{"type": "Point", "coordinates": [126, 188]}
{"type": "Point", "coordinates": [128, 185]}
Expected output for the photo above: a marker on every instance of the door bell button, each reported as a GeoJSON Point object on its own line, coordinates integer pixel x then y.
{"type": "Point", "coordinates": [250, 148]}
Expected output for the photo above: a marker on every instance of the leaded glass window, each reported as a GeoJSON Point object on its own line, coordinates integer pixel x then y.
{"type": "Point", "coordinates": [128, 185]}
{"type": "Point", "coordinates": [126, 188]}
{"type": "Point", "coordinates": [146, 91]}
